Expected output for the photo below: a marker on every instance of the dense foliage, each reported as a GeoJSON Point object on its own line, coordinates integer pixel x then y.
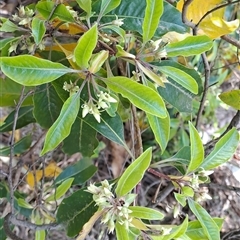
{"type": "Point", "coordinates": [82, 70]}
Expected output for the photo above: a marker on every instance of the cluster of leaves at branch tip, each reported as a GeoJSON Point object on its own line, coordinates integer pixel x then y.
{"type": "Point", "coordinates": [115, 209]}
{"type": "Point", "coordinates": [103, 102]}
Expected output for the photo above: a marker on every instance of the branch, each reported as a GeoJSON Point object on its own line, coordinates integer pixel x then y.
{"type": "Point", "coordinates": [231, 40]}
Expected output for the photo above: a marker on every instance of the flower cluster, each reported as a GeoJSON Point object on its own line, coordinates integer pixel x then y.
{"type": "Point", "coordinates": [115, 209]}
{"type": "Point", "coordinates": [24, 16]}
{"type": "Point", "coordinates": [104, 100]}
{"type": "Point", "coordinates": [70, 87]}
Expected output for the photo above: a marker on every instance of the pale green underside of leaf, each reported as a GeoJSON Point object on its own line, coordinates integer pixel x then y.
{"type": "Point", "coordinates": [86, 5]}
{"type": "Point", "coordinates": [223, 150]}
{"type": "Point", "coordinates": [209, 226]}
{"type": "Point", "coordinates": [62, 126]}
{"type": "Point", "coordinates": [107, 6]}
{"type": "Point", "coordinates": [197, 150]}
{"type": "Point", "coordinates": [145, 213]}
{"type": "Point", "coordinates": [181, 78]}
{"type": "Point", "coordinates": [153, 12]}
{"type": "Point", "coordinates": [38, 30]}
{"type": "Point", "coordinates": [121, 231]}
{"type": "Point", "coordinates": [32, 71]}
{"type": "Point", "coordinates": [134, 173]}
{"type": "Point", "coordinates": [190, 46]}
{"type": "Point", "coordinates": [141, 96]}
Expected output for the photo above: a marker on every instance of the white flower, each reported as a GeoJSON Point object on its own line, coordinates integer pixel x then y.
{"type": "Point", "coordinates": [118, 22]}
{"type": "Point", "coordinates": [103, 96]}
{"type": "Point", "coordinates": [156, 44]}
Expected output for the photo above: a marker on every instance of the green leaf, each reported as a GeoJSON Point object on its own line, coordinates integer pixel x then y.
{"type": "Point", "coordinates": [231, 98]}
{"type": "Point", "coordinates": [47, 105]}
{"type": "Point", "coordinates": [161, 129]}
{"type": "Point", "coordinates": [2, 232]}
{"type": "Point", "coordinates": [61, 190]}
{"type": "Point", "coordinates": [32, 71]}
{"type": "Point", "coordinates": [3, 190]}
{"type": "Point", "coordinates": [187, 191]}
{"type": "Point", "coordinates": [197, 150]}
{"type": "Point", "coordinates": [38, 29]}
{"type": "Point", "coordinates": [189, 46]}
{"type": "Point", "coordinates": [107, 6]}
{"type": "Point", "coordinates": [77, 141]}
{"type": "Point", "coordinates": [5, 41]}
{"type": "Point", "coordinates": [75, 211]}
{"type": "Point", "coordinates": [62, 126]}
{"type": "Point", "coordinates": [195, 229]}
{"type": "Point", "coordinates": [145, 213]}
{"type": "Point", "coordinates": [223, 150]}
{"type": "Point", "coordinates": [121, 231]}
{"type": "Point", "coordinates": [209, 226]}
{"type": "Point", "coordinates": [19, 147]}
{"type": "Point", "coordinates": [153, 12]}
{"type": "Point", "coordinates": [86, 5]}
{"type": "Point", "coordinates": [7, 26]}
{"type": "Point", "coordinates": [10, 92]}
{"type": "Point", "coordinates": [22, 203]}
{"type": "Point", "coordinates": [61, 12]}
{"type": "Point", "coordinates": [134, 173]}
{"type": "Point", "coordinates": [141, 96]}
{"type": "Point", "coordinates": [75, 170]}
{"type": "Point", "coordinates": [181, 78]}
{"type": "Point", "coordinates": [85, 175]}
{"type": "Point", "coordinates": [180, 198]}
{"type": "Point", "coordinates": [25, 116]}
{"type": "Point", "coordinates": [40, 235]}
{"type": "Point", "coordinates": [85, 46]}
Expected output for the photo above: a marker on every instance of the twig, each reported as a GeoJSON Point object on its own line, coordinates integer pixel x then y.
{"type": "Point", "coordinates": [184, 14]}
{"type": "Point", "coordinates": [231, 40]}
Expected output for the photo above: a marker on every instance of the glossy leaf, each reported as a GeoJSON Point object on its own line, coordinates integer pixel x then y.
{"type": "Point", "coordinates": [107, 6]}
{"type": "Point", "coordinates": [10, 93]}
{"type": "Point", "coordinates": [153, 12]}
{"type": "Point", "coordinates": [121, 231]}
{"type": "Point", "coordinates": [189, 46]}
{"type": "Point", "coordinates": [141, 96]}
{"type": "Point", "coordinates": [75, 211]}
{"type": "Point", "coordinates": [195, 229]}
{"type": "Point", "coordinates": [197, 150]}
{"type": "Point", "coordinates": [5, 41]}
{"type": "Point", "coordinates": [145, 213]}
{"type": "Point", "coordinates": [85, 46]}
{"type": "Point", "coordinates": [85, 175]}
{"type": "Point", "coordinates": [74, 170]}
{"type": "Point", "coordinates": [61, 190]}
{"type": "Point", "coordinates": [223, 150]}
{"type": "Point", "coordinates": [47, 105]}
{"type": "Point", "coordinates": [161, 129]}
{"type": "Point", "coordinates": [62, 126]}
{"type": "Point", "coordinates": [77, 141]}
{"type": "Point", "coordinates": [209, 226]}
{"type": "Point", "coordinates": [25, 116]}
{"type": "Point", "coordinates": [60, 11]}
{"type": "Point", "coordinates": [134, 173]}
{"type": "Point", "coordinates": [231, 98]}
{"type": "Point", "coordinates": [133, 14]}
{"type": "Point", "coordinates": [181, 78]}
{"type": "Point", "coordinates": [86, 5]}
{"type": "Point", "coordinates": [19, 147]}
{"type": "Point", "coordinates": [8, 26]}
{"type": "Point", "coordinates": [38, 29]}
{"type": "Point", "coordinates": [32, 71]}
{"type": "Point", "coordinates": [180, 198]}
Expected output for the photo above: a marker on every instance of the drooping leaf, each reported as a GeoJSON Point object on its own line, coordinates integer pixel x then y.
{"type": "Point", "coordinates": [180, 198]}
{"type": "Point", "coordinates": [19, 147]}
{"type": "Point", "coordinates": [38, 29]}
{"type": "Point", "coordinates": [10, 92]}
{"type": "Point", "coordinates": [145, 213]}
{"type": "Point", "coordinates": [121, 231]}
{"type": "Point", "coordinates": [86, 5]}
{"type": "Point", "coordinates": [134, 173]}
{"type": "Point", "coordinates": [210, 228]}
{"type": "Point", "coordinates": [61, 190]}
{"type": "Point", "coordinates": [85, 47]}
{"type": "Point", "coordinates": [107, 6]}
{"type": "Point", "coordinates": [189, 46]}
{"type": "Point", "coordinates": [223, 150]}
{"type": "Point", "coordinates": [75, 211]}
{"type": "Point", "coordinates": [161, 129]}
{"type": "Point", "coordinates": [7, 26]}
{"type": "Point", "coordinates": [32, 71]}
{"type": "Point", "coordinates": [62, 126]}
{"type": "Point", "coordinates": [231, 98]}
{"type": "Point", "coordinates": [77, 140]}
{"type": "Point", "coordinates": [141, 96]}
{"type": "Point", "coordinates": [25, 116]}
{"type": "Point", "coordinates": [60, 11]}
{"type": "Point", "coordinates": [47, 105]}
{"type": "Point", "coordinates": [197, 150]}
{"type": "Point", "coordinates": [153, 12]}
{"type": "Point", "coordinates": [181, 78]}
